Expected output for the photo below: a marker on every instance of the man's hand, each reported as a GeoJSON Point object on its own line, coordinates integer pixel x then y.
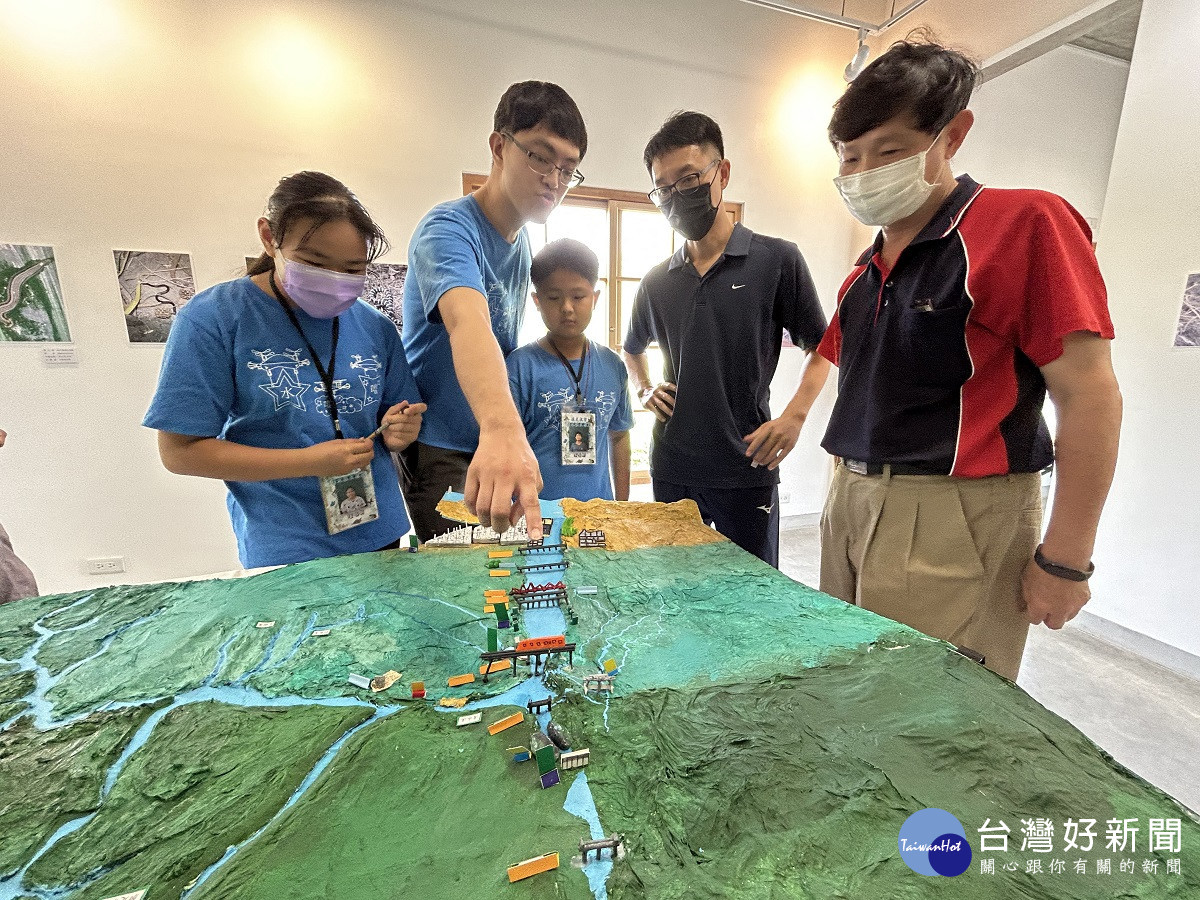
{"type": "Point", "coordinates": [342, 456]}
{"type": "Point", "coordinates": [659, 399]}
{"type": "Point", "coordinates": [402, 424]}
{"type": "Point", "coordinates": [503, 482]}
{"type": "Point", "coordinates": [1049, 599]}
{"type": "Point", "coordinates": [772, 441]}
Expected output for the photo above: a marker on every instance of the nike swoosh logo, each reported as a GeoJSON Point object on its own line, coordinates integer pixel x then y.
{"type": "Point", "coordinates": [737, 286]}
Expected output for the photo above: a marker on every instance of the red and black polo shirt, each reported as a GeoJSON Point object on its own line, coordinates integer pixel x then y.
{"type": "Point", "coordinates": [938, 358]}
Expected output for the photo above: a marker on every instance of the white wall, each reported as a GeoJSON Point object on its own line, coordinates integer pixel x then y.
{"type": "Point", "coordinates": [135, 124]}
{"type": "Point", "coordinates": [1049, 124]}
{"type": "Point", "coordinates": [1148, 558]}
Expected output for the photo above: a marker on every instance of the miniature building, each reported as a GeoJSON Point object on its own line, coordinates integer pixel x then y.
{"type": "Point", "coordinates": [482, 534]}
{"type": "Point", "coordinates": [517, 534]}
{"type": "Point", "coordinates": [575, 759]}
{"type": "Point", "coordinates": [458, 537]}
{"type": "Point", "coordinates": [507, 722]}
{"type": "Point", "coordinates": [528, 867]}
{"type": "Point", "coordinates": [592, 538]}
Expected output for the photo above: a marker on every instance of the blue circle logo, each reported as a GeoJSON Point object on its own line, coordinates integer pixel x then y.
{"type": "Point", "coordinates": [933, 842]}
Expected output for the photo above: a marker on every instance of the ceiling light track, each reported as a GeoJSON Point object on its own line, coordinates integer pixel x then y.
{"type": "Point", "coordinates": [837, 20]}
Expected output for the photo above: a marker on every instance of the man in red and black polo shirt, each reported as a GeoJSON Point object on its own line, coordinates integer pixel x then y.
{"type": "Point", "coordinates": [969, 307]}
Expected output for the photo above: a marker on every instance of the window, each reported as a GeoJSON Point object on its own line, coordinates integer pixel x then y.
{"type": "Point", "coordinates": [630, 236]}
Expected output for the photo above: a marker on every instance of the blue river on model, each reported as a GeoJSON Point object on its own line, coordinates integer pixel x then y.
{"type": "Point", "coordinates": [535, 623]}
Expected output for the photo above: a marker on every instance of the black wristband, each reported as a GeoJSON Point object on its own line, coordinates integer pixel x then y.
{"type": "Point", "coordinates": [1061, 571]}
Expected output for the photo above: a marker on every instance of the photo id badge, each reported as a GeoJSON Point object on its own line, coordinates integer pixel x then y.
{"type": "Point", "coordinates": [349, 500]}
{"type": "Point", "coordinates": [578, 439]}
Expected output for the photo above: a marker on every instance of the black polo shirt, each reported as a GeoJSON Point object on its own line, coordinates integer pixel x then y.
{"type": "Point", "coordinates": [939, 357]}
{"type": "Point", "coordinates": [720, 336]}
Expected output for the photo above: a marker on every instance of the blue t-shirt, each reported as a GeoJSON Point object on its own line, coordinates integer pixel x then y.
{"type": "Point", "coordinates": [456, 246]}
{"type": "Point", "coordinates": [541, 387]}
{"type": "Point", "coordinates": [235, 368]}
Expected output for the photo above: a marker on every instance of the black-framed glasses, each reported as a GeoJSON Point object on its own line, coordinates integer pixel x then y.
{"type": "Point", "coordinates": [685, 185]}
{"type": "Point", "coordinates": [539, 164]}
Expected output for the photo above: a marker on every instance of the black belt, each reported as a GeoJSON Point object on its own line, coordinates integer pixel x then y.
{"type": "Point", "coordinates": [868, 468]}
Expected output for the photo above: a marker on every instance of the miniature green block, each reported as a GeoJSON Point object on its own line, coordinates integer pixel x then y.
{"type": "Point", "coordinates": [493, 640]}
{"type": "Point", "coordinates": [545, 759]}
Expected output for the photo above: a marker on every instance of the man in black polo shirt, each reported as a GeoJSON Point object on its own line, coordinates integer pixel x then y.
{"type": "Point", "coordinates": [717, 308]}
{"type": "Point", "coordinates": [972, 303]}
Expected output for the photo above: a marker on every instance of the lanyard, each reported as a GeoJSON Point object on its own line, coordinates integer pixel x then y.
{"type": "Point", "coordinates": [582, 362]}
{"type": "Point", "coordinates": [325, 373]}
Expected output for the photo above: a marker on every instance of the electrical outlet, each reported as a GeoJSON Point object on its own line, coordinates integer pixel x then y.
{"type": "Point", "coordinates": [785, 497]}
{"type": "Point", "coordinates": [104, 565]}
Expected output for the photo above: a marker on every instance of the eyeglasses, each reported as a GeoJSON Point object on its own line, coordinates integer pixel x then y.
{"type": "Point", "coordinates": [543, 166]}
{"type": "Point", "coordinates": [685, 185]}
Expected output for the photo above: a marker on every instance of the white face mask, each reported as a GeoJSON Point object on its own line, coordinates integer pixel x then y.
{"type": "Point", "coordinates": [889, 193]}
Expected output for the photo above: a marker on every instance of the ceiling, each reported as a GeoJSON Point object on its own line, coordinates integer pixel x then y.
{"type": "Point", "coordinates": [1115, 38]}
{"type": "Point", "coordinates": [987, 28]}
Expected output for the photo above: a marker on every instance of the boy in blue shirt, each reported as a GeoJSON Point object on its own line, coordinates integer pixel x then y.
{"type": "Point", "coordinates": [572, 393]}
{"type": "Point", "coordinates": [463, 303]}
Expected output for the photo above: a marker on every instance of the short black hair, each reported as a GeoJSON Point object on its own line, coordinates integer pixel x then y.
{"type": "Point", "coordinates": [683, 129]}
{"type": "Point", "coordinates": [528, 104]}
{"type": "Point", "coordinates": [568, 254]}
{"type": "Point", "coordinates": [916, 77]}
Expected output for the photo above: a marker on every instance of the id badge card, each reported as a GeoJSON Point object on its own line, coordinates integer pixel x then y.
{"type": "Point", "coordinates": [349, 500]}
{"type": "Point", "coordinates": [578, 439]}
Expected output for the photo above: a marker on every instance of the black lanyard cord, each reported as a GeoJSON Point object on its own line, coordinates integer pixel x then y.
{"type": "Point", "coordinates": [325, 373]}
{"type": "Point", "coordinates": [578, 379]}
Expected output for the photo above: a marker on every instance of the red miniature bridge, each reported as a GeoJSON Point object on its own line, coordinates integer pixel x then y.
{"type": "Point", "coordinates": [527, 589]}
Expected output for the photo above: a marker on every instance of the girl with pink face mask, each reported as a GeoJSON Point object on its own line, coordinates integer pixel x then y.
{"type": "Point", "coordinates": [279, 383]}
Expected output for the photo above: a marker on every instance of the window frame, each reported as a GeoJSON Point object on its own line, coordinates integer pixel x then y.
{"type": "Point", "coordinates": [613, 200]}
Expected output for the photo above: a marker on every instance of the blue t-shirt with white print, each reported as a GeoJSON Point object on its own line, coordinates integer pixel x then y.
{"type": "Point", "coordinates": [456, 246]}
{"type": "Point", "coordinates": [235, 368]}
{"type": "Point", "coordinates": [541, 387]}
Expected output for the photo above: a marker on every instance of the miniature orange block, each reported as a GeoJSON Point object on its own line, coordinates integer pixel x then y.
{"type": "Point", "coordinates": [499, 726]}
{"type": "Point", "coordinates": [499, 554]}
{"type": "Point", "coordinates": [456, 680]}
{"type": "Point", "coordinates": [499, 573]}
{"type": "Point", "coordinates": [529, 867]}
{"type": "Point", "coordinates": [498, 666]}
{"type": "Point", "coordinates": [487, 607]}
{"type": "Point", "coordinates": [495, 592]}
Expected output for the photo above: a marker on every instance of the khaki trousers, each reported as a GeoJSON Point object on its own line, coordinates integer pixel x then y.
{"type": "Point", "coordinates": [943, 555]}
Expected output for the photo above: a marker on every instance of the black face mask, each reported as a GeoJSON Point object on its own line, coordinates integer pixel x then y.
{"type": "Point", "coordinates": [692, 215]}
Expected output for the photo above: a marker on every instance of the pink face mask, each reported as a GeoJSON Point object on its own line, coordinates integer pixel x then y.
{"type": "Point", "coordinates": [319, 292]}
